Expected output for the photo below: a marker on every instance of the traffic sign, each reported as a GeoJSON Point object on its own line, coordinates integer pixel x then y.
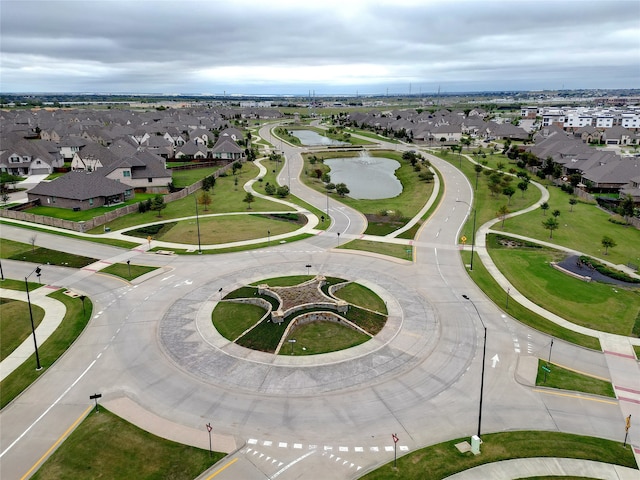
{"type": "Point", "coordinates": [463, 239]}
{"type": "Point", "coordinates": [395, 438]}
{"type": "Point", "coordinates": [546, 369]}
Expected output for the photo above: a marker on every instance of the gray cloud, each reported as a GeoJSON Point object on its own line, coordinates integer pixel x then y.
{"type": "Point", "coordinates": [331, 46]}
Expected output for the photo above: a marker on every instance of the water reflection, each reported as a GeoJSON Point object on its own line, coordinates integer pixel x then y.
{"type": "Point", "coordinates": [366, 177]}
{"type": "Point", "coordinates": [311, 138]}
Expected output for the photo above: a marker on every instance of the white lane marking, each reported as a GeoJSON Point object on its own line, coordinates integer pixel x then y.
{"type": "Point", "coordinates": [48, 409]}
{"type": "Point", "coordinates": [286, 467]}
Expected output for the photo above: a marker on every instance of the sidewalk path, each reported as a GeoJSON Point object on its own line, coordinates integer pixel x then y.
{"type": "Point", "coordinates": [542, 467]}
{"type": "Point", "coordinates": [54, 312]}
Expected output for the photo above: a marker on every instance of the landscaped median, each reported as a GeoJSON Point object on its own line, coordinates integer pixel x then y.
{"type": "Point", "coordinates": [106, 446]}
{"type": "Point", "coordinates": [77, 315]}
{"type": "Point", "coordinates": [444, 459]}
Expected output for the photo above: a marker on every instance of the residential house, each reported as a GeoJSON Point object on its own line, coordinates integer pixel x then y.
{"type": "Point", "coordinates": [80, 190]}
{"type": "Point", "coordinates": [29, 157]}
{"type": "Point", "coordinates": [192, 150]}
{"type": "Point", "coordinates": [225, 148]}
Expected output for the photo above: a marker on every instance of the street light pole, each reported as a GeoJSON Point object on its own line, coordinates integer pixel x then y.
{"type": "Point", "coordinates": [473, 233]}
{"type": "Point", "coordinates": [484, 354]}
{"type": "Point", "coordinates": [33, 328]}
{"type": "Point", "coordinates": [195, 197]}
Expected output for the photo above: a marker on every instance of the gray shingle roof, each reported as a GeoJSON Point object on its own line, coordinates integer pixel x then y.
{"type": "Point", "coordinates": [80, 186]}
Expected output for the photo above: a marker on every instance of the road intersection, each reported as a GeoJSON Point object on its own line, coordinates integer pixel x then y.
{"type": "Point", "coordinates": [150, 347]}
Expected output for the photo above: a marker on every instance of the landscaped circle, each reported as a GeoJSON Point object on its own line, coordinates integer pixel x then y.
{"type": "Point", "coordinates": [300, 315]}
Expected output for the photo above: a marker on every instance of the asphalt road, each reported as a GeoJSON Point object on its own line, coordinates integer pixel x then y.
{"type": "Point", "coordinates": [327, 416]}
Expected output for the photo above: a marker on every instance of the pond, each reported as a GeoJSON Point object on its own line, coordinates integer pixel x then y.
{"type": "Point", "coordinates": [311, 138]}
{"type": "Point", "coordinates": [368, 178]}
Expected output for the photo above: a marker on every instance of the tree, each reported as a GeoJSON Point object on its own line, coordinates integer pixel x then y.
{"type": "Point", "coordinates": [341, 189]}
{"type": "Point", "coordinates": [523, 186]}
{"type": "Point", "coordinates": [330, 186]}
{"type": "Point", "coordinates": [157, 204]}
{"type": "Point", "coordinates": [478, 168]}
{"type": "Point", "coordinates": [503, 211]}
{"type": "Point", "coordinates": [550, 224]}
{"type": "Point", "coordinates": [508, 191]}
{"type": "Point", "coordinates": [282, 191]}
{"type": "Point", "coordinates": [627, 207]}
{"type": "Point", "coordinates": [318, 173]}
{"type": "Point", "coordinates": [269, 189]}
{"type": "Point", "coordinates": [248, 198]}
{"type": "Point", "coordinates": [32, 241]}
{"type": "Point", "coordinates": [326, 178]}
{"type": "Point", "coordinates": [544, 207]}
{"type": "Point", "coordinates": [204, 199]}
{"type": "Point", "coordinates": [208, 183]}
{"type": "Point", "coordinates": [556, 213]}
{"type": "Point", "coordinates": [235, 167]}
{"type": "Point", "coordinates": [572, 202]}
{"type": "Point", "coordinates": [608, 242]}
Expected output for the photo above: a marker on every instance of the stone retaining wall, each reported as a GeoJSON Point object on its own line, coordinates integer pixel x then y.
{"type": "Point", "coordinates": [584, 278]}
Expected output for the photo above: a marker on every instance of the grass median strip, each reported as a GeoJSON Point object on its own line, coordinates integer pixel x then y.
{"type": "Point", "coordinates": [444, 459]}
{"type": "Point", "coordinates": [75, 319]}
{"type": "Point", "coordinates": [106, 446]}
{"type": "Point", "coordinates": [556, 376]}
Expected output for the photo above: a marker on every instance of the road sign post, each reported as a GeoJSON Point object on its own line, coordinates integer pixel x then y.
{"type": "Point", "coordinates": [209, 428]}
{"type": "Point", "coordinates": [395, 449]}
{"type": "Point", "coordinates": [95, 397]}
{"type": "Point", "coordinates": [627, 426]}
{"type": "Point", "coordinates": [546, 370]}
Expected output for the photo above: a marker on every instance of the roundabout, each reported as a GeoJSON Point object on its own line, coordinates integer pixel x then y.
{"type": "Point", "coordinates": [410, 336]}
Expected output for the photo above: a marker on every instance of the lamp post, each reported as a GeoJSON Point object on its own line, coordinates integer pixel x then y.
{"type": "Point", "coordinates": [473, 233]}
{"type": "Point", "coordinates": [484, 354]}
{"type": "Point", "coordinates": [33, 328]}
{"type": "Point", "coordinates": [195, 197]}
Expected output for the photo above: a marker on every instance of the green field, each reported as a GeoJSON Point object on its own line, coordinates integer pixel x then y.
{"type": "Point", "coordinates": [15, 324]}
{"type": "Point", "coordinates": [128, 272]}
{"type": "Point", "coordinates": [232, 319]}
{"type": "Point", "coordinates": [30, 253]}
{"type": "Point", "coordinates": [106, 446]}
{"type": "Point", "coordinates": [581, 229]}
{"type": "Point", "coordinates": [362, 296]}
{"type": "Point", "coordinates": [314, 338]}
{"type": "Point", "coordinates": [600, 306]}
{"type": "Point", "coordinates": [444, 459]}
{"type": "Point", "coordinates": [405, 252]}
{"type": "Point", "coordinates": [566, 379]}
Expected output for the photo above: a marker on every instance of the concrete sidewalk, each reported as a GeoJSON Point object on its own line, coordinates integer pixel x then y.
{"type": "Point", "coordinates": [54, 312]}
{"type": "Point", "coordinates": [543, 466]}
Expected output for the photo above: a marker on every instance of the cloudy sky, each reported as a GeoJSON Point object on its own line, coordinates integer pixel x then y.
{"type": "Point", "coordinates": [326, 46]}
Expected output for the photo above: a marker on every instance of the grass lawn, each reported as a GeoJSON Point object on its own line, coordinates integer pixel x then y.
{"type": "Point", "coordinates": [321, 337]}
{"type": "Point", "coordinates": [362, 296]}
{"type": "Point", "coordinates": [368, 134]}
{"type": "Point", "coordinates": [104, 241]}
{"type": "Point", "coordinates": [27, 253]}
{"type": "Point", "coordinates": [240, 248]}
{"type": "Point", "coordinates": [15, 324]}
{"type": "Point", "coordinates": [443, 460]}
{"type": "Point", "coordinates": [11, 284]}
{"type": "Point", "coordinates": [636, 349]}
{"type": "Point", "coordinates": [570, 380]}
{"type": "Point", "coordinates": [390, 249]}
{"type": "Point", "coordinates": [232, 228]}
{"type": "Point", "coordinates": [106, 446]}
{"type": "Point", "coordinates": [285, 281]}
{"type": "Point", "coordinates": [232, 319]}
{"type": "Point", "coordinates": [184, 178]}
{"type": "Point", "coordinates": [76, 317]}
{"type": "Point", "coordinates": [581, 229]}
{"type": "Point", "coordinates": [226, 197]}
{"type": "Point", "coordinates": [491, 288]}
{"type": "Point", "coordinates": [84, 215]}
{"type": "Point", "coordinates": [413, 231]}
{"type": "Point", "coordinates": [600, 306]}
{"type": "Point", "coordinates": [128, 272]}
